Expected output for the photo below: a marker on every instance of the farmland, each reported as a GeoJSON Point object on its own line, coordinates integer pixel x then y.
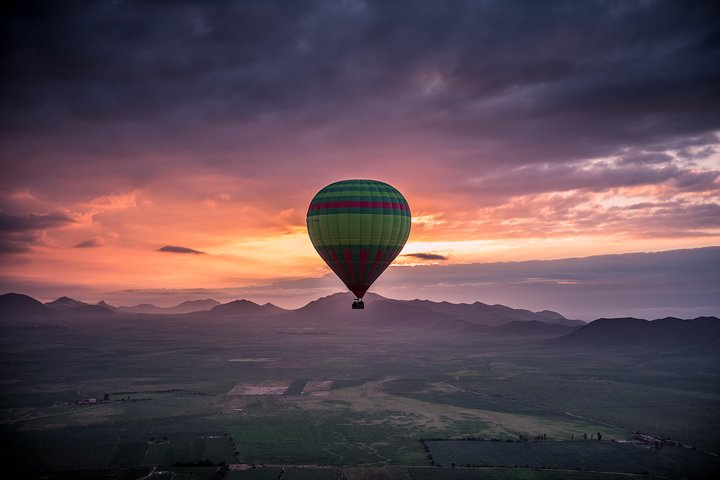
{"type": "Point", "coordinates": [191, 395]}
{"type": "Point", "coordinates": [578, 455]}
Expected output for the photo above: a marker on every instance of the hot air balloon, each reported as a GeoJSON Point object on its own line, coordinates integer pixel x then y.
{"type": "Point", "coordinates": [358, 227]}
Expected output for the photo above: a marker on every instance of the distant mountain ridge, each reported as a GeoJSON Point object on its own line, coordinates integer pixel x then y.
{"type": "Point", "coordinates": [244, 307]}
{"type": "Point", "coordinates": [24, 305]}
{"type": "Point", "coordinates": [493, 314]}
{"type": "Point", "coordinates": [64, 303]}
{"type": "Point", "coordinates": [380, 311]}
{"type": "Point", "coordinates": [629, 331]}
{"type": "Point", "coordinates": [421, 312]}
{"type": "Point", "coordinates": [188, 306]}
{"type": "Point", "coordinates": [383, 314]}
{"type": "Point", "coordinates": [426, 312]}
{"type": "Point", "coordinates": [71, 306]}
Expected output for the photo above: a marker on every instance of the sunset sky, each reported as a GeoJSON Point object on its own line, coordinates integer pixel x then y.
{"type": "Point", "coordinates": [163, 151]}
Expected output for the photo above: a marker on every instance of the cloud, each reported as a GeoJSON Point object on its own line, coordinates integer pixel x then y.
{"type": "Point", "coordinates": [650, 285]}
{"type": "Point", "coordinates": [588, 176]}
{"type": "Point", "coordinates": [426, 256]}
{"type": "Point", "coordinates": [203, 122]}
{"type": "Point", "coordinates": [287, 293]}
{"type": "Point", "coordinates": [549, 215]}
{"type": "Point", "coordinates": [21, 223]}
{"type": "Point", "coordinates": [645, 158]}
{"type": "Point", "coordinates": [176, 249]}
{"type": "Point", "coordinates": [672, 282]}
{"type": "Point", "coordinates": [488, 100]}
{"type": "Point", "coordinates": [19, 232]}
{"type": "Point", "coordinates": [90, 243]}
{"type": "Point", "coordinates": [526, 83]}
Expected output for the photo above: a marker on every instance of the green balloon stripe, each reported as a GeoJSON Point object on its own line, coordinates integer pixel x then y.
{"type": "Point", "coordinates": [358, 229]}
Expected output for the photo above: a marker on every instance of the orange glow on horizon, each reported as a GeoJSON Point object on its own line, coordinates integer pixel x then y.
{"type": "Point", "coordinates": [252, 232]}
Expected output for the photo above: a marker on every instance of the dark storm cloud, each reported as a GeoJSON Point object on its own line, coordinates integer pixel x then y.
{"type": "Point", "coordinates": [645, 158]}
{"type": "Point", "coordinates": [426, 256]}
{"type": "Point", "coordinates": [176, 249]}
{"type": "Point", "coordinates": [505, 82]}
{"type": "Point", "coordinates": [21, 223]}
{"type": "Point", "coordinates": [19, 232]}
{"type": "Point", "coordinates": [539, 178]}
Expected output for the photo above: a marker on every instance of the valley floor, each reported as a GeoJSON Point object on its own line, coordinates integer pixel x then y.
{"type": "Point", "coordinates": [159, 397]}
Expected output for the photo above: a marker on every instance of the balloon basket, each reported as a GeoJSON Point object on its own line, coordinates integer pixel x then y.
{"type": "Point", "coordinates": [358, 304]}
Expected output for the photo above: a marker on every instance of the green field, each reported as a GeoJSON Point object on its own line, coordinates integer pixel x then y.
{"type": "Point", "coordinates": [605, 456]}
{"type": "Point", "coordinates": [183, 391]}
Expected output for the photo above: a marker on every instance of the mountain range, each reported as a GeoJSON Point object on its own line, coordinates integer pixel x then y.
{"type": "Point", "coordinates": [629, 331]}
{"type": "Point", "coordinates": [67, 303]}
{"type": "Point", "coordinates": [382, 313]}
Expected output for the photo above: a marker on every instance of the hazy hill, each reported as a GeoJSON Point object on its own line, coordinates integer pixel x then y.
{"type": "Point", "coordinates": [445, 318]}
{"type": "Point", "coordinates": [70, 306]}
{"type": "Point", "coordinates": [634, 331]}
{"type": "Point", "coordinates": [193, 306]}
{"type": "Point", "coordinates": [379, 312]}
{"type": "Point", "coordinates": [336, 303]}
{"type": "Point", "coordinates": [483, 314]}
{"type": "Point", "coordinates": [184, 307]}
{"type": "Point", "coordinates": [335, 308]}
{"type": "Point", "coordinates": [425, 313]}
{"type": "Point", "coordinates": [390, 313]}
{"type": "Point", "coordinates": [63, 303]}
{"type": "Point", "coordinates": [21, 305]}
{"type": "Point", "coordinates": [244, 308]}
{"type": "Point", "coordinates": [103, 303]}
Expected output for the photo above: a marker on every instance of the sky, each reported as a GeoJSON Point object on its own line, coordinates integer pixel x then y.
{"type": "Point", "coordinates": [174, 146]}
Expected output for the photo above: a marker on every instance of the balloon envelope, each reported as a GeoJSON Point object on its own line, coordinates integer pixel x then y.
{"type": "Point", "coordinates": [358, 227]}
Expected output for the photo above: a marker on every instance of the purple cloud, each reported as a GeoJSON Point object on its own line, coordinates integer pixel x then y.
{"type": "Point", "coordinates": [426, 256]}
{"type": "Point", "coordinates": [491, 116]}
{"type": "Point", "coordinates": [483, 85]}
{"type": "Point", "coordinates": [20, 223]}
{"type": "Point", "coordinates": [90, 243]}
{"type": "Point", "coordinates": [176, 249]}
{"type": "Point", "coordinates": [18, 232]}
